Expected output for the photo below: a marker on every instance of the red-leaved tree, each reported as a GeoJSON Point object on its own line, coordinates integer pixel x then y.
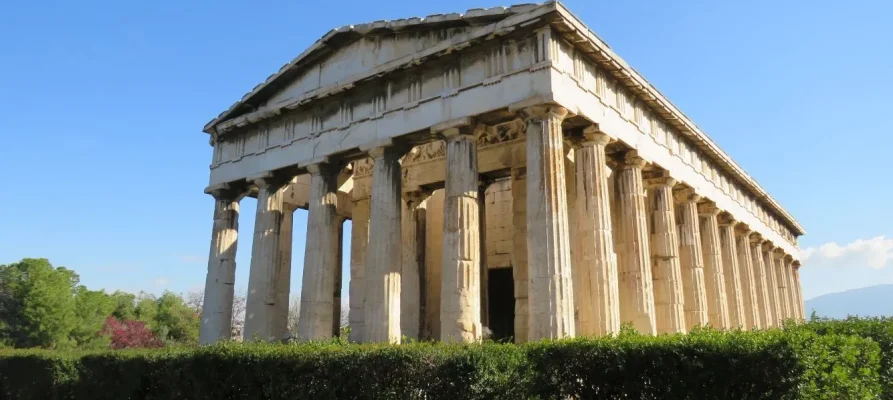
{"type": "Point", "coordinates": [130, 334]}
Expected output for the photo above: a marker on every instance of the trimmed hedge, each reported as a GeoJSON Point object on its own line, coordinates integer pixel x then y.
{"type": "Point", "coordinates": [879, 330]}
{"type": "Point", "coordinates": [794, 364]}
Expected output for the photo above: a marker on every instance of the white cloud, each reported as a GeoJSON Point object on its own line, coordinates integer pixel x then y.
{"type": "Point", "coordinates": [876, 253]}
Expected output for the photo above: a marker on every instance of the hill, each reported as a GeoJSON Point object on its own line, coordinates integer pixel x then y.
{"type": "Point", "coordinates": [867, 302]}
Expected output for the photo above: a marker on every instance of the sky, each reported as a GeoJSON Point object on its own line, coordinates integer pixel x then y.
{"type": "Point", "coordinates": [103, 162]}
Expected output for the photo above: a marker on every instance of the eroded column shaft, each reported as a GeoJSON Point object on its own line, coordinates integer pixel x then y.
{"type": "Point", "coordinates": [519, 253]}
{"type": "Point", "coordinates": [412, 295]}
{"type": "Point", "coordinates": [359, 240]}
{"type": "Point", "coordinates": [764, 311]}
{"type": "Point", "coordinates": [691, 261]}
{"type": "Point", "coordinates": [665, 268]}
{"type": "Point", "coordinates": [217, 307]}
{"type": "Point", "coordinates": [772, 288]}
{"type": "Point", "coordinates": [714, 270]}
{"type": "Point", "coordinates": [733, 276]}
{"type": "Point", "coordinates": [749, 285]}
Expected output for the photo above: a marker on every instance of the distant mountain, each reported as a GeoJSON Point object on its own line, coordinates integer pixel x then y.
{"type": "Point", "coordinates": [867, 302]}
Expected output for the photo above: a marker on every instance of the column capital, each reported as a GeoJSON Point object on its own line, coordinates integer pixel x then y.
{"type": "Point", "coordinates": [708, 208]}
{"type": "Point", "coordinates": [593, 136]}
{"type": "Point", "coordinates": [271, 178]}
{"type": "Point", "coordinates": [769, 247]}
{"type": "Point", "coordinates": [659, 179]}
{"type": "Point", "coordinates": [686, 195]}
{"type": "Point", "coordinates": [728, 220]}
{"type": "Point", "coordinates": [778, 253]}
{"type": "Point", "coordinates": [460, 128]}
{"type": "Point", "coordinates": [631, 159]}
{"type": "Point", "coordinates": [543, 111]}
{"type": "Point", "coordinates": [377, 153]}
{"type": "Point", "coordinates": [322, 168]}
{"type": "Point", "coordinates": [416, 197]}
{"type": "Point", "coordinates": [234, 191]}
{"type": "Point", "coordinates": [756, 238]}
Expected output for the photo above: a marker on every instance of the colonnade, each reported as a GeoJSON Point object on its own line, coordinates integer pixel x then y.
{"type": "Point", "coordinates": [647, 249]}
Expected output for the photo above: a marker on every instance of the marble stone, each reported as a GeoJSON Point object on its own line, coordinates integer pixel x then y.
{"type": "Point", "coordinates": [714, 270]}
{"type": "Point", "coordinates": [669, 299]}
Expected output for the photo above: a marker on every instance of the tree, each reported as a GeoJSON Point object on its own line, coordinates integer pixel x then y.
{"type": "Point", "coordinates": [41, 311]}
{"type": "Point", "coordinates": [92, 308]}
{"type": "Point", "coordinates": [294, 314]}
{"type": "Point", "coordinates": [125, 305]}
{"type": "Point", "coordinates": [180, 320]}
{"type": "Point", "coordinates": [130, 334]}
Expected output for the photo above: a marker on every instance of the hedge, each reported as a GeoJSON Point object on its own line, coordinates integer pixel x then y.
{"type": "Point", "coordinates": [775, 364]}
{"type": "Point", "coordinates": [879, 330]}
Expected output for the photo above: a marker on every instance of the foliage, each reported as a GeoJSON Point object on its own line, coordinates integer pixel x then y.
{"type": "Point", "coordinates": [130, 334]}
{"type": "Point", "coordinates": [91, 310]}
{"type": "Point", "coordinates": [878, 329]}
{"type": "Point", "coordinates": [41, 311]}
{"type": "Point", "coordinates": [775, 364]}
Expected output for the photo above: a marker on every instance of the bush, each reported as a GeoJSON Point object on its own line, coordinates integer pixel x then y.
{"type": "Point", "coordinates": [796, 364]}
{"type": "Point", "coordinates": [879, 330]}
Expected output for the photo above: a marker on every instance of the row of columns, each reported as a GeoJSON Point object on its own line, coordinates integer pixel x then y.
{"type": "Point", "coordinates": [663, 268]}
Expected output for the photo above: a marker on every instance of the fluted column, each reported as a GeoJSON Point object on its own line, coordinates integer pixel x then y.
{"type": "Point", "coordinates": [315, 321]}
{"type": "Point", "coordinates": [761, 281]}
{"type": "Point", "coordinates": [282, 279]}
{"type": "Point", "coordinates": [772, 284]}
{"type": "Point", "coordinates": [784, 298]}
{"type": "Point", "coordinates": [383, 263]}
{"type": "Point", "coordinates": [714, 271]}
{"type": "Point", "coordinates": [460, 300]}
{"type": "Point", "coordinates": [633, 247]}
{"type": "Point", "coordinates": [412, 294]}
{"type": "Point", "coordinates": [691, 260]}
{"type": "Point", "coordinates": [550, 297]}
{"type": "Point", "coordinates": [217, 307]}
{"type": "Point", "coordinates": [359, 240]}
{"type": "Point", "coordinates": [519, 252]}
{"type": "Point", "coordinates": [669, 309]}
{"type": "Point", "coordinates": [339, 272]}
{"type": "Point", "coordinates": [792, 291]}
{"type": "Point", "coordinates": [598, 296]}
{"type": "Point", "coordinates": [798, 297]}
{"type": "Point", "coordinates": [752, 315]}
{"type": "Point", "coordinates": [734, 275]}
{"type": "Point", "coordinates": [261, 302]}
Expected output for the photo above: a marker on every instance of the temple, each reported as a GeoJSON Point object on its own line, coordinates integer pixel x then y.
{"type": "Point", "coordinates": [505, 173]}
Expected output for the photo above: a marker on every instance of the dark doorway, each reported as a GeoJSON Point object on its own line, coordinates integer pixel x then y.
{"type": "Point", "coordinates": [501, 297]}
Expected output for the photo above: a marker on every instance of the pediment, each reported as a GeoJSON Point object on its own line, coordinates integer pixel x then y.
{"type": "Point", "coordinates": [355, 50]}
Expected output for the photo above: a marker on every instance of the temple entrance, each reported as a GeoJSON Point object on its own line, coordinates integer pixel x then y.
{"type": "Point", "coordinates": [501, 301]}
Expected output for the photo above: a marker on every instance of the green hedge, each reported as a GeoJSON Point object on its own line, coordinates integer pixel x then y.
{"type": "Point", "coordinates": [879, 330]}
{"type": "Point", "coordinates": [795, 364]}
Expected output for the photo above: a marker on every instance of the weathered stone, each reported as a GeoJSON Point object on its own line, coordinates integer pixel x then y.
{"type": "Point", "coordinates": [598, 298]}
{"type": "Point", "coordinates": [752, 314]}
{"type": "Point", "coordinates": [217, 307]}
{"type": "Point", "coordinates": [715, 274]}
{"type": "Point", "coordinates": [315, 322]}
{"type": "Point", "coordinates": [772, 284]}
{"type": "Point", "coordinates": [383, 263]}
{"type": "Point", "coordinates": [519, 253]}
{"type": "Point", "coordinates": [784, 298]}
{"type": "Point", "coordinates": [550, 296]}
{"type": "Point", "coordinates": [633, 248]}
{"type": "Point", "coordinates": [359, 240]}
{"type": "Point", "coordinates": [691, 260]}
{"type": "Point", "coordinates": [282, 279]}
{"type": "Point", "coordinates": [261, 302]}
{"type": "Point", "coordinates": [764, 310]}
{"type": "Point", "coordinates": [669, 309]}
{"type": "Point", "coordinates": [734, 274]}
{"type": "Point", "coordinates": [412, 293]}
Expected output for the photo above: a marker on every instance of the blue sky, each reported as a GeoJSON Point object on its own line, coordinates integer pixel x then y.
{"type": "Point", "coordinates": [103, 160]}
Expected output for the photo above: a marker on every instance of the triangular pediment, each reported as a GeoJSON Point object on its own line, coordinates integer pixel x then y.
{"type": "Point", "coordinates": [355, 50]}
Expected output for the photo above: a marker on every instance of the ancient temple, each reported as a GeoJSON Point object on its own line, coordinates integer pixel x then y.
{"type": "Point", "coordinates": [503, 170]}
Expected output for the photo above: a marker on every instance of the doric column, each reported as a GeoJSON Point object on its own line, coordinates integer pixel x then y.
{"type": "Point", "coordinates": [519, 252]}
{"type": "Point", "coordinates": [669, 310]}
{"type": "Point", "coordinates": [282, 279]}
{"type": "Point", "coordinates": [691, 260]}
{"type": "Point", "coordinates": [336, 288]}
{"type": "Point", "coordinates": [315, 321]}
{"type": "Point", "coordinates": [798, 290]}
{"type": "Point", "coordinates": [598, 298]}
{"type": "Point", "coordinates": [261, 302]}
{"type": "Point", "coordinates": [412, 293]}
{"type": "Point", "coordinates": [784, 298]}
{"type": "Point", "coordinates": [383, 264]}
{"type": "Point", "coordinates": [792, 291]}
{"type": "Point", "coordinates": [772, 284]}
{"type": "Point", "coordinates": [760, 281]}
{"type": "Point", "coordinates": [633, 248]}
{"type": "Point", "coordinates": [217, 307]}
{"type": "Point", "coordinates": [734, 274]}
{"type": "Point", "coordinates": [359, 240]}
{"type": "Point", "coordinates": [550, 297]}
{"type": "Point", "coordinates": [460, 290]}
{"type": "Point", "coordinates": [749, 285]}
{"type": "Point", "coordinates": [714, 271]}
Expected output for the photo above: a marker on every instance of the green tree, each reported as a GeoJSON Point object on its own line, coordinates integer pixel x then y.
{"type": "Point", "coordinates": [92, 308]}
{"type": "Point", "coordinates": [39, 309]}
{"type": "Point", "coordinates": [125, 305]}
{"type": "Point", "coordinates": [177, 317]}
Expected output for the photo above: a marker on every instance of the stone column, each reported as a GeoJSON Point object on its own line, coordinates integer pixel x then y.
{"type": "Point", "coordinates": [598, 299]}
{"type": "Point", "coordinates": [633, 248]}
{"type": "Point", "coordinates": [691, 260]}
{"type": "Point", "coordinates": [519, 252]}
{"type": "Point", "coordinates": [316, 319]}
{"type": "Point", "coordinates": [784, 298]}
{"type": "Point", "coordinates": [217, 307]}
{"type": "Point", "coordinates": [714, 272]}
{"type": "Point", "coordinates": [336, 289]}
{"type": "Point", "coordinates": [760, 280]}
{"type": "Point", "coordinates": [733, 274]}
{"type": "Point", "coordinates": [412, 294]}
{"type": "Point", "coordinates": [359, 239]}
{"type": "Point", "coordinates": [798, 290]}
{"type": "Point", "coordinates": [772, 284]}
{"type": "Point", "coordinates": [383, 264]}
{"type": "Point", "coordinates": [749, 285]}
{"type": "Point", "coordinates": [550, 297]}
{"type": "Point", "coordinates": [669, 310]}
{"type": "Point", "coordinates": [260, 304]}
{"type": "Point", "coordinates": [792, 291]}
{"type": "Point", "coordinates": [282, 280]}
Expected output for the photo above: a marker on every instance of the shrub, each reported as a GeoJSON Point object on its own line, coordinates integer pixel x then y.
{"type": "Point", "coordinates": [796, 364]}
